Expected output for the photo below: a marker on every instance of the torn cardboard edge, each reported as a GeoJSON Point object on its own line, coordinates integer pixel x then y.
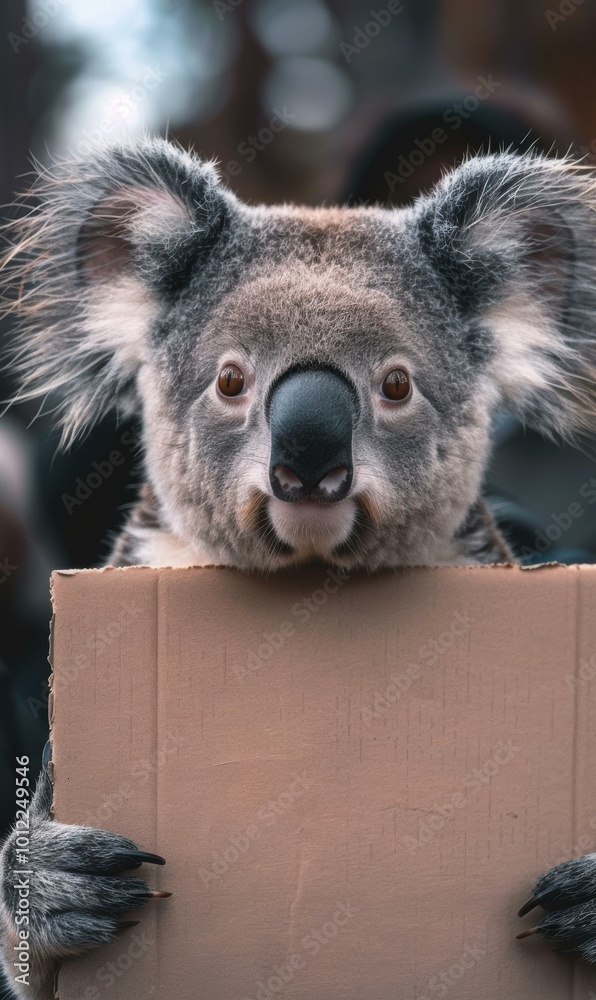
{"type": "Point", "coordinates": [293, 570]}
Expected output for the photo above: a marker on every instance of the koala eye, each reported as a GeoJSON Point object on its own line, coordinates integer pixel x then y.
{"type": "Point", "coordinates": [397, 385]}
{"type": "Point", "coordinates": [230, 381]}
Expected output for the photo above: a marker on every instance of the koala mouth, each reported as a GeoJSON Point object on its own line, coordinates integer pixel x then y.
{"type": "Point", "coordinates": [309, 529]}
{"type": "Point", "coordinates": [304, 528]}
{"type": "Point", "coordinates": [315, 528]}
{"type": "Point", "coordinates": [311, 526]}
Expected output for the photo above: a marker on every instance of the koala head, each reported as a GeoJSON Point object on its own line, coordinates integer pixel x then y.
{"type": "Point", "coordinates": [313, 384]}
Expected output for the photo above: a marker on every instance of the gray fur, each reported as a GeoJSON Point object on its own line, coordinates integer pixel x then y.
{"type": "Point", "coordinates": [139, 275]}
{"type": "Point", "coordinates": [136, 276]}
{"type": "Point", "coordinates": [568, 895]}
{"type": "Point", "coordinates": [77, 894]}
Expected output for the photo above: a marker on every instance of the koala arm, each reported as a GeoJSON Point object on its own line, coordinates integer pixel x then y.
{"type": "Point", "coordinates": [75, 894]}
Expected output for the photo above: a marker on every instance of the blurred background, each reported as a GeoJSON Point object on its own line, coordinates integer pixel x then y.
{"type": "Point", "coordinates": [335, 101]}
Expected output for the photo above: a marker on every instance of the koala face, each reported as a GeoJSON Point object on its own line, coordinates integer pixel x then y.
{"type": "Point", "coordinates": [315, 449]}
{"type": "Point", "coordinates": [314, 384]}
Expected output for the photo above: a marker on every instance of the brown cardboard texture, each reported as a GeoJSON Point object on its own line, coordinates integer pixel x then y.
{"type": "Point", "coordinates": [355, 781]}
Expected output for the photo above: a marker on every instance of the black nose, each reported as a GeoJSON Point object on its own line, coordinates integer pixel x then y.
{"type": "Point", "coordinates": [311, 416]}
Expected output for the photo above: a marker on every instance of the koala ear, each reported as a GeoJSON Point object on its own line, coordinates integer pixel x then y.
{"type": "Point", "coordinates": [512, 240]}
{"type": "Point", "coordinates": [109, 242]}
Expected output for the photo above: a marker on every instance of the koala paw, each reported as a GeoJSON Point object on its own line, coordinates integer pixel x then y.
{"type": "Point", "coordinates": [568, 895]}
{"type": "Point", "coordinates": [77, 891]}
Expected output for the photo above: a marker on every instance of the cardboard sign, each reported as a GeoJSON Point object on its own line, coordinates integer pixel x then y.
{"type": "Point", "coordinates": [355, 780]}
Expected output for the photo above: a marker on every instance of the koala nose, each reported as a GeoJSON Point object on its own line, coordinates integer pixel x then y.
{"type": "Point", "coordinates": [311, 416]}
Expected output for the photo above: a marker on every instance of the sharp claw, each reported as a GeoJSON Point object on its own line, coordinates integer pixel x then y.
{"type": "Point", "coordinates": [47, 755]}
{"type": "Point", "coordinates": [124, 924]}
{"type": "Point", "coordinates": [525, 934]}
{"type": "Point", "coordinates": [137, 858]}
{"type": "Point", "coordinates": [530, 905]}
{"type": "Point", "coordinates": [141, 895]}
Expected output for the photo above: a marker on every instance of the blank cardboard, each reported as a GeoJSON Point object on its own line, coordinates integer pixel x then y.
{"type": "Point", "coordinates": [355, 781]}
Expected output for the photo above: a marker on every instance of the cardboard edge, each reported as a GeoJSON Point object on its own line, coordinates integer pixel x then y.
{"type": "Point", "coordinates": [51, 686]}
{"type": "Point", "coordinates": [475, 566]}
{"type": "Point", "coordinates": [128, 569]}
{"type": "Point", "coordinates": [55, 983]}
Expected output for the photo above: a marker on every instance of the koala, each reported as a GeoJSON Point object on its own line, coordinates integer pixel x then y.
{"type": "Point", "coordinates": [314, 385]}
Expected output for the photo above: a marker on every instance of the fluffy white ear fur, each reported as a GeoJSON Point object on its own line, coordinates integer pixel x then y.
{"type": "Point", "coordinates": [522, 231]}
{"type": "Point", "coordinates": [124, 221]}
{"type": "Point", "coordinates": [117, 318]}
{"type": "Point", "coordinates": [85, 263]}
{"type": "Point", "coordinates": [120, 307]}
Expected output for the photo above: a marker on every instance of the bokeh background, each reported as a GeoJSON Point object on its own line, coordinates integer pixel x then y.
{"type": "Point", "coordinates": [335, 101]}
